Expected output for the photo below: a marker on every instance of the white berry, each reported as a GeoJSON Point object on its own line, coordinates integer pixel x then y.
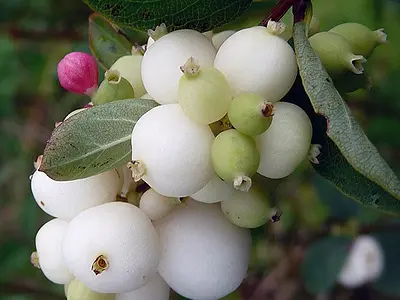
{"type": "Point", "coordinates": [204, 256]}
{"type": "Point", "coordinates": [219, 38]}
{"type": "Point", "coordinates": [112, 248]}
{"type": "Point", "coordinates": [49, 252]}
{"type": "Point", "coordinates": [286, 142]}
{"type": "Point", "coordinates": [66, 199]}
{"type": "Point", "coordinates": [171, 152]}
{"type": "Point", "coordinates": [156, 289]}
{"type": "Point", "coordinates": [161, 62]}
{"type": "Point", "coordinates": [364, 263]}
{"type": "Point", "coordinates": [215, 191]}
{"type": "Point", "coordinates": [254, 60]}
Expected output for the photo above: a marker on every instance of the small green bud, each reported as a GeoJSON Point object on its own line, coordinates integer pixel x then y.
{"type": "Point", "coordinates": [78, 291]}
{"type": "Point", "coordinates": [114, 87]}
{"type": "Point", "coordinates": [250, 114]}
{"type": "Point", "coordinates": [235, 158]}
{"type": "Point", "coordinates": [361, 39]}
{"type": "Point", "coordinates": [336, 54]}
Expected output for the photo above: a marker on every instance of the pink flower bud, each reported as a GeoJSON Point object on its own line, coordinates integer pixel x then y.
{"type": "Point", "coordinates": [78, 73]}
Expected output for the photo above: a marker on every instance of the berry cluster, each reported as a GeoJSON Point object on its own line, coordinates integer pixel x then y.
{"type": "Point", "coordinates": [219, 123]}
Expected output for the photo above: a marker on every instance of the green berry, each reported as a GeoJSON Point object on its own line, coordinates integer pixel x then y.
{"type": "Point", "coordinates": [78, 291]}
{"type": "Point", "coordinates": [235, 158]}
{"type": "Point", "coordinates": [249, 210]}
{"type": "Point", "coordinates": [250, 114]}
{"type": "Point", "coordinates": [361, 39]}
{"type": "Point", "coordinates": [114, 87]}
{"type": "Point", "coordinates": [204, 94]}
{"type": "Point", "coordinates": [129, 67]}
{"type": "Point", "coordinates": [336, 54]}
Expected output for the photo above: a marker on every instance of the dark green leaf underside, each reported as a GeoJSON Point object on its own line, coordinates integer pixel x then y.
{"type": "Point", "coordinates": [106, 44]}
{"type": "Point", "coordinates": [94, 140]}
{"type": "Point", "coordinates": [201, 15]}
{"type": "Point", "coordinates": [348, 158]}
{"type": "Point", "coordinates": [323, 262]}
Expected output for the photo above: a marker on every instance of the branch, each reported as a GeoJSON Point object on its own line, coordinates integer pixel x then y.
{"type": "Point", "coordinates": [278, 11]}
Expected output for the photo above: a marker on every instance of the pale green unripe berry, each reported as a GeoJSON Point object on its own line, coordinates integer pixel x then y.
{"type": "Point", "coordinates": [336, 54]}
{"type": "Point", "coordinates": [204, 94]}
{"type": "Point", "coordinates": [130, 67]}
{"type": "Point", "coordinates": [361, 39]}
{"type": "Point", "coordinates": [78, 291]}
{"type": "Point", "coordinates": [247, 209]}
{"type": "Point", "coordinates": [219, 38]}
{"type": "Point", "coordinates": [250, 114]}
{"type": "Point", "coordinates": [157, 206]}
{"type": "Point", "coordinates": [235, 158]}
{"type": "Point", "coordinates": [286, 142]}
{"type": "Point", "coordinates": [114, 87]}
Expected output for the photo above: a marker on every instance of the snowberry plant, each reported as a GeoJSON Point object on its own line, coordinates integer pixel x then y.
{"type": "Point", "coordinates": [159, 182]}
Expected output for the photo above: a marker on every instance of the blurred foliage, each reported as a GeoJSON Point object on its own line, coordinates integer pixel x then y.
{"type": "Point", "coordinates": [36, 34]}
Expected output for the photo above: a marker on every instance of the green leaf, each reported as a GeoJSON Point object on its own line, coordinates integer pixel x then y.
{"type": "Point", "coordinates": [388, 282]}
{"type": "Point", "coordinates": [347, 158]}
{"type": "Point", "coordinates": [201, 15]}
{"type": "Point", "coordinates": [252, 17]}
{"type": "Point", "coordinates": [106, 44]}
{"type": "Point", "coordinates": [93, 141]}
{"type": "Point", "coordinates": [323, 262]}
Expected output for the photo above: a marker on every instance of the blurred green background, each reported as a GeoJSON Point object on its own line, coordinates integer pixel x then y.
{"type": "Point", "coordinates": [36, 34]}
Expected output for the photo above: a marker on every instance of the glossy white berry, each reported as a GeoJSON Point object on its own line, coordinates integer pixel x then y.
{"type": "Point", "coordinates": [204, 256]}
{"type": "Point", "coordinates": [219, 38]}
{"type": "Point", "coordinates": [161, 62]}
{"type": "Point", "coordinates": [171, 152]}
{"type": "Point", "coordinates": [215, 191]}
{"type": "Point", "coordinates": [49, 252]}
{"type": "Point", "coordinates": [156, 289]}
{"type": "Point", "coordinates": [130, 68]}
{"type": "Point", "coordinates": [364, 263]}
{"type": "Point", "coordinates": [66, 199]}
{"type": "Point", "coordinates": [157, 206]}
{"type": "Point", "coordinates": [286, 142]}
{"type": "Point", "coordinates": [112, 248]}
{"type": "Point", "coordinates": [254, 60]}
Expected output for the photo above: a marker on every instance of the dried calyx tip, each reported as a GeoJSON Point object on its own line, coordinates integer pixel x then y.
{"type": "Point", "coordinates": [267, 109]}
{"type": "Point", "coordinates": [113, 76]}
{"type": "Point", "coordinates": [276, 28]}
{"type": "Point", "coordinates": [242, 183]}
{"type": "Point", "coordinates": [137, 50]}
{"type": "Point", "coordinates": [356, 64]}
{"type": "Point", "coordinates": [381, 36]}
{"type": "Point", "coordinates": [137, 168]}
{"type": "Point", "coordinates": [160, 31]}
{"type": "Point", "coordinates": [100, 265]}
{"type": "Point", "coordinates": [314, 152]}
{"type": "Point", "coordinates": [191, 67]}
{"type": "Point", "coordinates": [35, 260]}
{"type": "Point", "coordinates": [38, 162]}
